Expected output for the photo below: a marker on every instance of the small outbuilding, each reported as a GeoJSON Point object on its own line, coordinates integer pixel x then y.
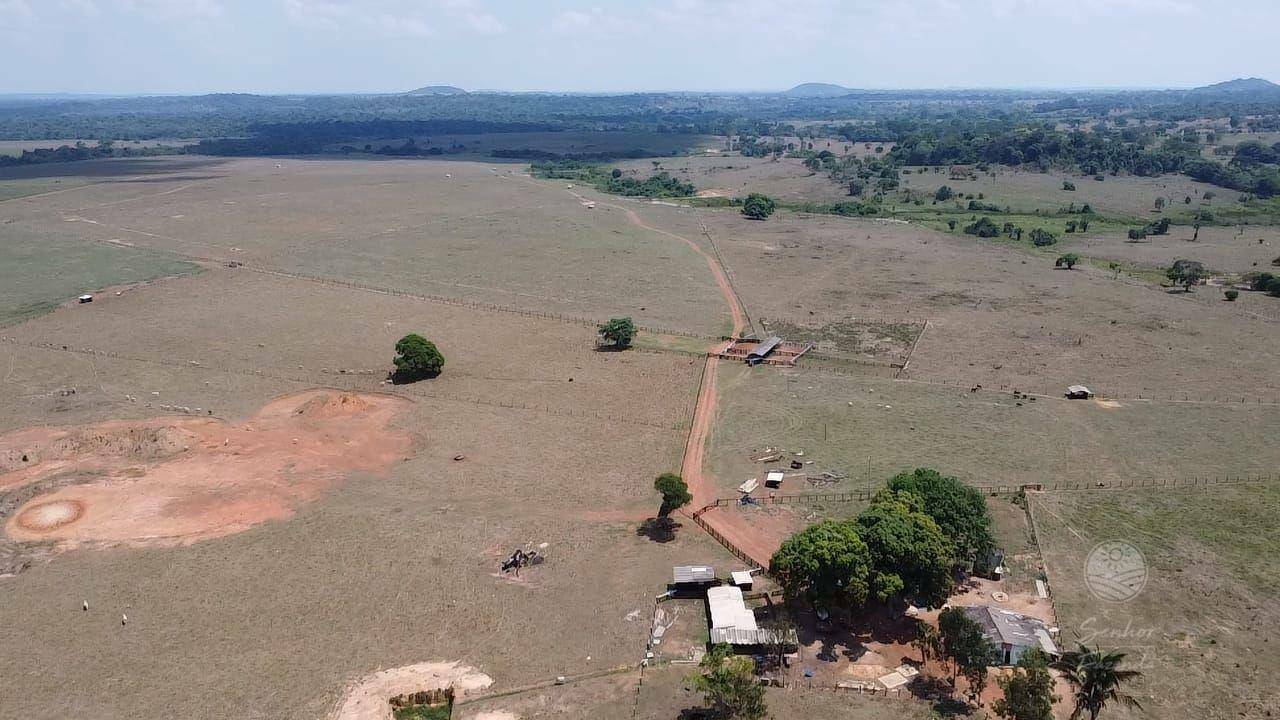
{"type": "Point", "coordinates": [762, 350]}
{"type": "Point", "coordinates": [742, 579]}
{"type": "Point", "coordinates": [688, 575]}
{"type": "Point", "coordinates": [773, 479]}
{"type": "Point", "coordinates": [85, 299]}
{"type": "Point", "coordinates": [1078, 392]}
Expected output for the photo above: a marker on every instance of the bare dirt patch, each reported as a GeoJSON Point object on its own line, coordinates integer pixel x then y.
{"type": "Point", "coordinates": [369, 698]}
{"type": "Point", "coordinates": [181, 480]}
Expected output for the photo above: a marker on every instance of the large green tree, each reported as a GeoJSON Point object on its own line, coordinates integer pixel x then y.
{"type": "Point", "coordinates": [417, 358]}
{"type": "Point", "coordinates": [827, 563]}
{"type": "Point", "coordinates": [911, 559]}
{"type": "Point", "coordinates": [1096, 678]}
{"type": "Point", "coordinates": [1028, 692]}
{"type": "Point", "coordinates": [729, 685]}
{"type": "Point", "coordinates": [959, 509]}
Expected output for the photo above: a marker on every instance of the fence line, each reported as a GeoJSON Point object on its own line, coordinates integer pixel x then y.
{"type": "Point", "coordinates": [728, 545]}
{"type": "Point", "coordinates": [330, 377]}
{"type": "Point", "coordinates": [396, 292]}
{"type": "Point", "coordinates": [1130, 395]}
{"type": "Point", "coordinates": [1011, 489]}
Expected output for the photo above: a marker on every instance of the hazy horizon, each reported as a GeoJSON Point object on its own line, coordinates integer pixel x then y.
{"type": "Point", "coordinates": [311, 47]}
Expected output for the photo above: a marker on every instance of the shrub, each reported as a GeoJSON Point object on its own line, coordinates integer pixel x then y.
{"type": "Point", "coordinates": [1068, 186]}
{"type": "Point", "coordinates": [417, 358]}
{"type": "Point", "coordinates": [982, 227]}
{"type": "Point", "coordinates": [943, 193]}
{"type": "Point", "coordinates": [1231, 295]}
{"type": "Point", "coordinates": [1069, 260]}
{"type": "Point", "coordinates": [1041, 237]}
{"type": "Point", "coordinates": [758, 207]}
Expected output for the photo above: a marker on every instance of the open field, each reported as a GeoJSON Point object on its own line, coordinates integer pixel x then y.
{"type": "Point", "coordinates": [505, 240]}
{"type": "Point", "coordinates": [870, 429]}
{"type": "Point", "coordinates": [1000, 315]}
{"type": "Point", "coordinates": [1120, 196]}
{"type": "Point", "coordinates": [732, 175]}
{"type": "Point", "coordinates": [1201, 627]}
{"type": "Point", "coordinates": [1221, 249]}
{"type": "Point", "coordinates": [560, 445]}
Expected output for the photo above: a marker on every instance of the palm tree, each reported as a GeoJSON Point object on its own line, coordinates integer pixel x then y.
{"type": "Point", "coordinates": [1096, 678]}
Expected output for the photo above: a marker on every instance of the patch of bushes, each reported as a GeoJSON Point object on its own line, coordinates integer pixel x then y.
{"type": "Point", "coordinates": [1042, 238]}
{"type": "Point", "coordinates": [982, 227]}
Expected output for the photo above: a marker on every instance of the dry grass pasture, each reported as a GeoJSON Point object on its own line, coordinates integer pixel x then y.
{"type": "Point", "coordinates": [1000, 315]}
{"type": "Point", "coordinates": [1201, 629]}
{"type": "Point", "coordinates": [229, 283]}
{"type": "Point", "coordinates": [561, 443]}
{"type": "Point", "coordinates": [504, 240]}
{"type": "Point", "coordinates": [870, 428]}
{"type": "Point", "coordinates": [732, 175]}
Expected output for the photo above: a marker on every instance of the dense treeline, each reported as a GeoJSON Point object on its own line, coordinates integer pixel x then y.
{"type": "Point", "coordinates": [81, 151]}
{"type": "Point", "coordinates": [612, 180]}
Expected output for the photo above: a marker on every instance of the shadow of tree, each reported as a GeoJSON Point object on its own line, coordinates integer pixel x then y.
{"type": "Point", "coordinates": [659, 529]}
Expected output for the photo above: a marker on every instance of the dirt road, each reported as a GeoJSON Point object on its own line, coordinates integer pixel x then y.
{"type": "Point", "coordinates": [758, 547]}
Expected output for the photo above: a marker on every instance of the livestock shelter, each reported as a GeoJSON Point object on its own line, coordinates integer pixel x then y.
{"type": "Point", "coordinates": [687, 575]}
{"type": "Point", "coordinates": [734, 623]}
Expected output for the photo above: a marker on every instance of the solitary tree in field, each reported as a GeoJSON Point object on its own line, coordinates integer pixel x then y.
{"type": "Point", "coordinates": [417, 358]}
{"type": "Point", "coordinates": [618, 332]}
{"type": "Point", "coordinates": [757, 206]}
{"type": "Point", "coordinates": [1095, 679]}
{"type": "Point", "coordinates": [1068, 260]}
{"type": "Point", "coordinates": [1186, 273]}
{"type": "Point", "coordinates": [675, 493]}
{"type": "Point", "coordinates": [729, 686]}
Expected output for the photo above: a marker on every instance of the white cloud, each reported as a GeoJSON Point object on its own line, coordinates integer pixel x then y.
{"type": "Point", "coordinates": [191, 9]}
{"type": "Point", "coordinates": [393, 18]}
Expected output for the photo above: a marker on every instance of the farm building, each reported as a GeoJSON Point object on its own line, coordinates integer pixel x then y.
{"type": "Point", "coordinates": [734, 623]}
{"type": "Point", "coordinates": [762, 350]}
{"type": "Point", "coordinates": [1078, 392]}
{"type": "Point", "coordinates": [685, 575]}
{"type": "Point", "coordinates": [1012, 633]}
{"type": "Point", "coordinates": [772, 351]}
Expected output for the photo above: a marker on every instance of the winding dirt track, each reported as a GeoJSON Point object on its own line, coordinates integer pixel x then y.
{"type": "Point", "coordinates": [759, 547]}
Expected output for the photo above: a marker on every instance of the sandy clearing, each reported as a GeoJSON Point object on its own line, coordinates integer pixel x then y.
{"type": "Point", "coordinates": [368, 699]}
{"type": "Point", "coordinates": [174, 481]}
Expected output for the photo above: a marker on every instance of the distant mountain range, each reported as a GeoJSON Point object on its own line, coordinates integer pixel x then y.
{"type": "Point", "coordinates": [438, 90]}
{"type": "Point", "coordinates": [817, 90]}
{"type": "Point", "coordinates": [1240, 87]}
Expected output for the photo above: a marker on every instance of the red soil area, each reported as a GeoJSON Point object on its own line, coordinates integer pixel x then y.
{"type": "Point", "coordinates": [175, 481]}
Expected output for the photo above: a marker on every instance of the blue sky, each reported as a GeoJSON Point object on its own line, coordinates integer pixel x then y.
{"type": "Point", "coordinates": [310, 46]}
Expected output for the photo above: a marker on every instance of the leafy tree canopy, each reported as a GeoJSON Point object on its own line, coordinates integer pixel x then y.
{"type": "Point", "coordinates": [958, 509]}
{"type": "Point", "coordinates": [757, 206]}
{"type": "Point", "coordinates": [417, 358]}
{"type": "Point", "coordinates": [728, 683]}
{"type": "Point", "coordinates": [619, 332]}
{"type": "Point", "coordinates": [827, 562]}
{"type": "Point", "coordinates": [675, 493]}
{"type": "Point", "coordinates": [910, 556]}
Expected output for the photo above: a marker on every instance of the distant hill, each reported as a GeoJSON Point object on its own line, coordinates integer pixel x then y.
{"type": "Point", "coordinates": [817, 90]}
{"type": "Point", "coordinates": [1240, 88]}
{"type": "Point", "coordinates": [438, 90]}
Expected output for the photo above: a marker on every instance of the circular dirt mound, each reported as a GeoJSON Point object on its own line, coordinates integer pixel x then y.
{"type": "Point", "coordinates": [50, 515]}
{"type": "Point", "coordinates": [331, 405]}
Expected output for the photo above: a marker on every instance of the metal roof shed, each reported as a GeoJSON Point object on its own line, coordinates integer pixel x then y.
{"type": "Point", "coordinates": [762, 350]}
{"type": "Point", "coordinates": [686, 574]}
{"type": "Point", "coordinates": [728, 609]}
